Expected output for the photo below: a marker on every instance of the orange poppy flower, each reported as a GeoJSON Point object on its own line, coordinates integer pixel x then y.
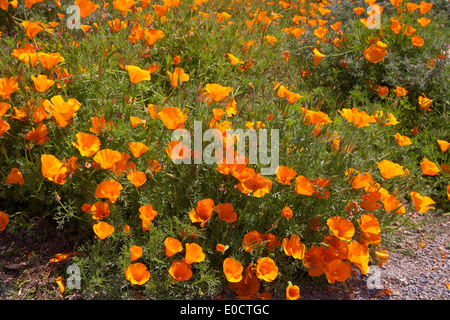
{"type": "Point", "coordinates": [137, 178]}
{"type": "Point", "coordinates": [318, 56]}
{"type": "Point", "coordinates": [173, 117]}
{"type": "Point", "coordinates": [287, 212]}
{"type": "Point", "coordinates": [314, 260]}
{"type": "Point", "coordinates": [109, 189]}
{"type": "Point", "coordinates": [320, 32]}
{"type": "Point", "coordinates": [32, 28]}
{"type": "Point", "coordinates": [417, 41]}
{"type": "Point", "coordinates": [53, 169]}
{"type": "Point", "coordinates": [285, 175]}
{"type": "Point", "coordinates": [15, 176]}
{"type": "Point", "coordinates": [202, 213]}
{"type": "Point", "coordinates": [135, 252]}
{"type": "Point", "coordinates": [358, 180]}
{"type": "Point", "coordinates": [161, 9]}
{"type": "Point", "coordinates": [256, 184]}
{"type": "Point", "coordinates": [270, 241]}
{"type": "Point", "coordinates": [62, 111]}
{"type": "Point", "coordinates": [42, 83]}
{"type": "Point", "coordinates": [359, 256]}
{"type": "Point", "coordinates": [338, 270]}
{"type": "Point", "coordinates": [4, 126]}
{"type": "Point", "coordinates": [423, 21]}
{"type": "Point", "coordinates": [233, 270]}
{"type": "Point", "coordinates": [448, 192]}
{"type": "Point", "coordinates": [99, 123]}
{"type": "Point", "coordinates": [177, 77]}
{"type": "Point", "coordinates": [421, 203]}
{"type": "Point", "coordinates": [176, 150]}
{"type": "Point", "coordinates": [4, 107]}
{"type": "Point", "coordinates": [402, 140]}
{"type": "Point", "coordinates": [443, 145]}
{"type": "Point", "coordinates": [292, 292]}
{"type": "Point", "coordinates": [424, 102]}
{"type": "Point", "coordinates": [107, 158]}
{"type": "Point", "coordinates": [86, 7]}
{"type": "Point", "coordinates": [172, 246]}
{"type": "Point", "coordinates": [359, 118]}
{"type": "Point", "coordinates": [38, 135]}
{"type": "Point", "coordinates": [194, 253]}
{"type": "Point", "coordinates": [123, 5]}
{"type": "Point", "coordinates": [390, 169]}
{"type": "Point", "coordinates": [147, 214]}
{"type": "Point", "coordinates": [376, 53]}
{"type": "Point", "coordinates": [137, 273]}
{"type": "Point", "coordinates": [341, 228]}
{"type": "Point", "coordinates": [180, 270]}
{"type": "Point", "coordinates": [26, 54]}
{"type": "Point", "coordinates": [382, 257]}
{"type": "Point", "coordinates": [4, 219]}
{"type": "Point", "coordinates": [425, 7]}
{"type": "Point", "coordinates": [250, 240]}
{"type": "Point", "coordinates": [294, 247]}
{"type": "Point", "coordinates": [303, 186]}
{"type": "Point", "coordinates": [137, 74]}
{"type": "Point", "coordinates": [8, 86]}
{"type": "Point", "coordinates": [137, 148]}
{"type": "Point", "coordinates": [369, 201]}
{"type": "Point", "coordinates": [233, 60]}
{"type": "Point", "coordinates": [400, 91]}
{"type": "Point", "coordinates": [135, 121]}
{"type": "Point", "coordinates": [100, 210]}
{"type": "Point", "coordinates": [221, 248]}
{"type": "Point", "coordinates": [103, 230]}
{"type": "Point", "coordinates": [226, 212]}
{"type": "Point", "coordinates": [87, 144]}
{"type": "Point", "coordinates": [391, 203]}
{"type": "Point", "coordinates": [429, 168]}
{"type": "Point", "coordinates": [153, 35]}
{"type": "Point", "coordinates": [266, 269]}
{"type": "Point", "coordinates": [49, 60]}
{"type": "Point", "coordinates": [248, 286]}
{"type": "Point", "coordinates": [217, 92]}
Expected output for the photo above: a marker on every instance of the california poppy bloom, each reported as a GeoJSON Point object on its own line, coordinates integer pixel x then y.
{"type": "Point", "coordinates": [173, 117]}
{"type": "Point", "coordinates": [4, 219]}
{"type": "Point", "coordinates": [49, 60]}
{"type": "Point", "coordinates": [338, 270]}
{"type": "Point", "coordinates": [341, 228]}
{"type": "Point", "coordinates": [424, 102]}
{"type": "Point", "coordinates": [15, 176]}
{"type": "Point", "coordinates": [294, 247]}
{"type": "Point", "coordinates": [8, 86]}
{"type": "Point", "coordinates": [172, 246]}
{"type": "Point", "coordinates": [314, 260]}
{"type": "Point", "coordinates": [359, 256]}
{"type": "Point", "coordinates": [391, 203]}
{"type": "Point", "coordinates": [402, 140]}
{"type": "Point", "coordinates": [287, 212]}
{"type": "Point", "coordinates": [107, 158]}
{"type": "Point", "coordinates": [137, 74]}
{"type": "Point", "coordinates": [53, 169]}
{"type": "Point", "coordinates": [41, 82]}
{"type": "Point", "coordinates": [443, 145]}
{"type": "Point", "coordinates": [135, 252]}
{"type": "Point", "coordinates": [248, 286]}
{"type": "Point", "coordinates": [369, 201]}
{"type": "Point", "coordinates": [217, 92]}
{"type": "Point", "coordinates": [318, 56]}
{"type": "Point", "coordinates": [194, 253]}
{"type": "Point", "coordinates": [137, 178]}
{"type": "Point", "coordinates": [176, 150]}
{"type": "Point", "coordinates": [202, 213]}
{"type": "Point", "coordinates": [266, 269]}
{"type": "Point", "coordinates": [292, 292]}
{"type": "Point", "coordinates": [109, 189]}
{"type": "Point", "coordinates": [180, 270]}
{"type": "Point", "coordinates": [147, 214]}
{"type": "Point", "coordinates": [423, 21]}
{"type": "Point", "coordinates": [152, 35]}
{"type": "Point", "coordinates": [86, 7]}
{"type": "Point", "coordinates": [177, 77]}
{"type": "Point", "coordinates": [137, 273]}
{"type": "Point", "coordinates": [226, 212]}
{"type": "Point", "coordinates": [303, 186]}
{"type": "Point", "coordinates": [421, 203]}
{"type": "Point", "coordinates": [250, 240]}
{"type": "Point", "coordinates": [232, 269]}
{"type": "Point", "coordinates": [123, 5]}
{"type": "Point", "coordinates": [61, 110]}
{"type": "Point", "coordinates": [32, 28]}
{"type": "Point", "coordinates": [4, 126]}
{"type": "Point", "coordinates": [429, 168]}
{"type": "Point", "coordinates": [376, 53]}
{"type": "Point", "coordinates": [103, 230]}
{"type": "Point", "coordinates": [87, 144]}
{"type": "Point", "coordinates": [100, 210]}
{"type": "Point", "coordinates": [390, 169]}
{"type": "Point", "coordinates": [285, 175]}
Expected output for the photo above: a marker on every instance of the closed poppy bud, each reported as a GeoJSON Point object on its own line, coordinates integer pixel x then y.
{"type": "Point", "coordinates": [135, 252]}
{"type": "Point", "coordinates": [443, 145]}
{"type": "Point", "coordinates": [232, 270]}
{"type": "Point", "coordinates": [172, 246]}
{"type": "Point", "coordinates": [137, 273]}
{"type": "Point", "coordinates": [221, 248]}
{"type": "Point", "coordinates": [103, 230]}
{"type": "Point", "coordinates": [60, 282]}
{"type": "Point", "coordinates": [292, 292]}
